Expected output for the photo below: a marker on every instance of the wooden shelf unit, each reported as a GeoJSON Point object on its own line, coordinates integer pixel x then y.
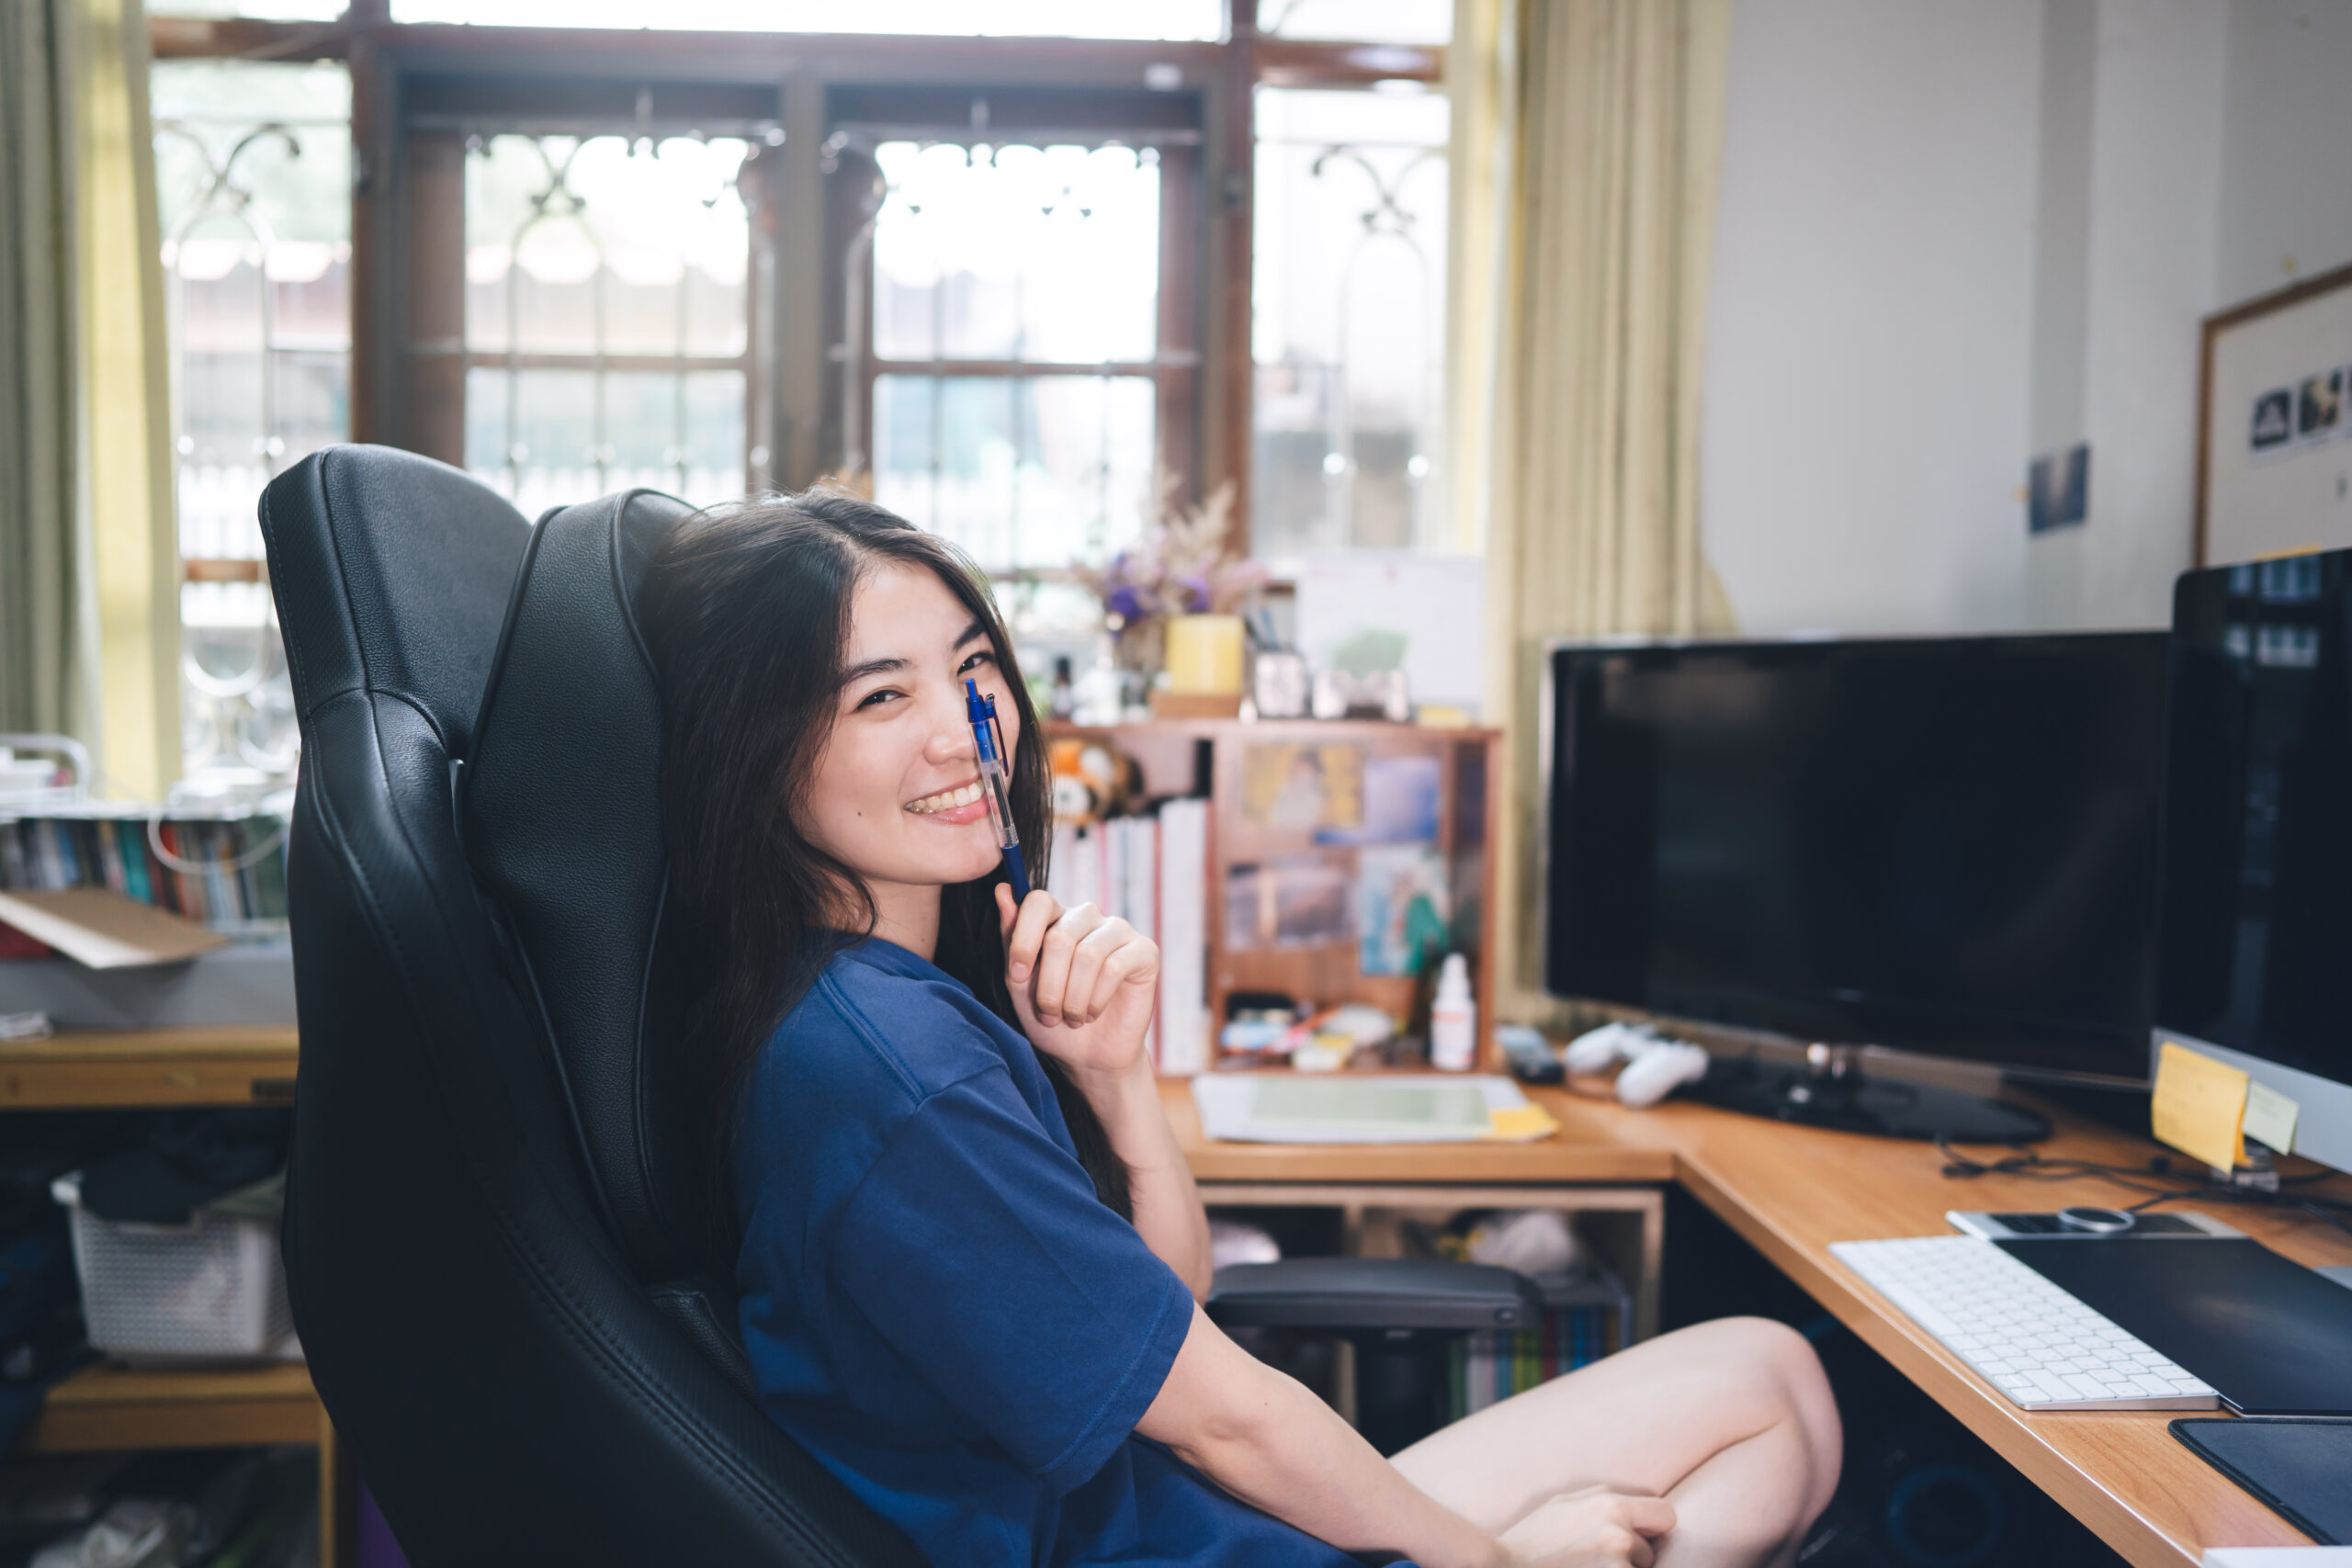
{"type": "Point", "coordinates": [1178, 756]}
{"type": "Point", "coordinates": [108, 1407]}
{"type": "Point", "coordinates": [83, 1070]}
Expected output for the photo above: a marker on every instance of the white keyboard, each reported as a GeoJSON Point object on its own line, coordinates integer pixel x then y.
{"type": "Point", "coordinates": [2027, 1338]}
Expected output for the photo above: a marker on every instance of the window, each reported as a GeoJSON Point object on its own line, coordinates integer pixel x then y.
{"type": "Point", "coordinates": [1359, 21]}
{"type": "Point", "coordinates": [1062, 18]}
{"type": "Point", "coordinates": [607, 317]}
{"type": "Point", "coordinates": [253, 166]}
{"type": "Point", "coordinates": [1014, 327]}
{"type": "Point", "coordinates": [1030, 292]}
{"type": "Point", "coordinates": [1348, 328]}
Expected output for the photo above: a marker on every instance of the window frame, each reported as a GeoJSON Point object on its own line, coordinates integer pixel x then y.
{"type": "Point", "coordinates": [1170, 121]}
{"type": "Point", "coordinates": [407, 357]}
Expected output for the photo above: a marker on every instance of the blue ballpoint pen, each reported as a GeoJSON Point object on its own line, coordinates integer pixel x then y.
{"type": "Point", "coordinates": [996, 780]}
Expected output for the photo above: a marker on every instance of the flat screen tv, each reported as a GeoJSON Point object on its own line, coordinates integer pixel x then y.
{"type": "Point", "coordinates": [1943, 845]}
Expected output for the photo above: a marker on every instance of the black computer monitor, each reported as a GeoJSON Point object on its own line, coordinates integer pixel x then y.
{"type": "Point", "coordinates": [2256, 945]}
{"type": "Point", "coordinates": [1941, 845]}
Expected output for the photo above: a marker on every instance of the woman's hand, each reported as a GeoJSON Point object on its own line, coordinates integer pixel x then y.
{"type": "Point", "coordinates": [1594, 1527]}
{"type": "Point", "coordinates": [1083, 983]}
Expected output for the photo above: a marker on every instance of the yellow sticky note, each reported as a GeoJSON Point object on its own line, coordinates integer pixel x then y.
{"type": "Point", "coordinates": [1521, 1123]}
{"type": "Point", "coordinates": [2270, 1116]}
{"type": "Point", "coordinates": [2199, 1106]}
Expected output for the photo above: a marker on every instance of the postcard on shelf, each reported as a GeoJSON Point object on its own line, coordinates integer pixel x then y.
{"type": "Point", "coordinates": [1402, 908]}
{"type": "Point", "coordinates": [1400, 804]}
{"type": "Point", "coordinates": [1304, 788]}
{"type": "Point", "coordinates": [1294, 901]}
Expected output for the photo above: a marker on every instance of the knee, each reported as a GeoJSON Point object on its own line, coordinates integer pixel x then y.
{"type": "Point", "coordinates": [1784, 1363]}
{"type": "Point", "coordinates": [1767, 1351]}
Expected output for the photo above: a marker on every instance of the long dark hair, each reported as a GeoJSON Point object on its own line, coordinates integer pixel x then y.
{"type": "Point", "coordinates": [748, 609]}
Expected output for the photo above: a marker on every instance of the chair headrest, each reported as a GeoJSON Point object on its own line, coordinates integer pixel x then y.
{"type": "Point", "coordinates": [410, 611]}
{"type": "Point", "coordinates": [560, 809]}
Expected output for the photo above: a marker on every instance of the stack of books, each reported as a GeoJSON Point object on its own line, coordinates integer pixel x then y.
{"type": "Point", "coordinates": [227, 871]}
{"type": "Point", "coordinates": [1152, 872]}
{"type": "Point", "coordinates": [1584, 1320]}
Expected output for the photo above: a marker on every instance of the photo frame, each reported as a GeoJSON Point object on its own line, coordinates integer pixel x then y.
{"type": "Point", "coordinates": [2274, 412]}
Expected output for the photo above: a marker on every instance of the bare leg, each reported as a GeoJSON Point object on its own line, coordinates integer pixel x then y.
{"type": "Point", "coordinates": [1731, 1421]}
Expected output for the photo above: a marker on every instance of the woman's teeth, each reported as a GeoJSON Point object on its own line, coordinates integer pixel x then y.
{"type": "Point", "coordinates": [947, 800]}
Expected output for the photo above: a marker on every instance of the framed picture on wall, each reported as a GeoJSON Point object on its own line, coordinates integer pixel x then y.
{"type": "Point", "coordinates": [2274, 466]}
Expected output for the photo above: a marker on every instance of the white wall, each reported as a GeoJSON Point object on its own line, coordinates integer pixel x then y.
{"type": "Point", "coordinates": [2287, 145]}
{"type": "Point", "coordinates": [1866, 355]}
{"type": "Point", "coordinates": [2154, 198]}
{"type": "Point", "coordinates": [1954, 236]}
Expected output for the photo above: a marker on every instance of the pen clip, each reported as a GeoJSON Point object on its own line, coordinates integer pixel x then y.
{"type": "Point", "coordinates": [996, 734]}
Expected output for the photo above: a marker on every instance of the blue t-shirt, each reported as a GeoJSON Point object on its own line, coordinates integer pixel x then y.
{"type": "Point", "coordinates": [938, 1308]}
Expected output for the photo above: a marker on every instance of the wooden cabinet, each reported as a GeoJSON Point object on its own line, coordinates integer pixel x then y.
{"type": "Point", "coordinates": [1289, 796]}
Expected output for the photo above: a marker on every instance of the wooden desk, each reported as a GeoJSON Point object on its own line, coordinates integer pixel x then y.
{"type": "Point", "coordinates": [1792, 1190]}
{"type": "Point", "coordinates": [88, 1070]}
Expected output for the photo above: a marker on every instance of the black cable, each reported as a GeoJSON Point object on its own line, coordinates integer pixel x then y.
{"type": "Point", "coordinates": [2023, 1162]}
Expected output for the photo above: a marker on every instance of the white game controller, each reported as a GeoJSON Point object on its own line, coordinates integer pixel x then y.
{"type": "Point", "coordinates": [1655, 1066]}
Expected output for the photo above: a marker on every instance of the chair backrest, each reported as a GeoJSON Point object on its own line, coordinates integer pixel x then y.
{"type": "Point", "coordinates": [560, 805]}
{"type": "Point", "coordinates": [481, 1205]}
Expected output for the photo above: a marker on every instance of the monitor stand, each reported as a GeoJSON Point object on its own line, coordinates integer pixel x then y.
{"type": "Point", "coordinates": [1827, 1091]}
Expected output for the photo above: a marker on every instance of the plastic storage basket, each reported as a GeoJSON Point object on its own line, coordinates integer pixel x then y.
{"type": "Point", "coordinates": [210, 1288]}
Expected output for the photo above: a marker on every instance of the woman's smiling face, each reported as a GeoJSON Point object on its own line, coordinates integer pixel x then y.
{"type": "Point", "coordinates": [895, 795]}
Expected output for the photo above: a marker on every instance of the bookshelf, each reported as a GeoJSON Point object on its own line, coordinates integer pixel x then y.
{"type": "Point", "coordinates": [1242, 766]}
{"type": "Point", "coordinates": [108, 1407]}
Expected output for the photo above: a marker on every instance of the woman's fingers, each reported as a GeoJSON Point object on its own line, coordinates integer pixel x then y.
{"type": "Point", "coordinates": [1591, 1528]}
{"type": "Point", "coordinates": [1085, 964]}
{"type": "Point", "coordinates": [1054, 955]}
{"type": "Point", "coordinates": [1135, 960]}
{"type": "Point", "coordinates": [1646, 1516]}
{"type": "Point", "coordinates": [1024, 929]}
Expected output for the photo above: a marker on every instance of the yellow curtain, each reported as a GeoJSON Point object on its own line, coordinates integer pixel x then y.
{"type": "Point", "coordinates": [126, 402]}
{"type": "Point", "coordinates": [1609, 120]}
{"type": "Point", "coordinates": [46, 666]}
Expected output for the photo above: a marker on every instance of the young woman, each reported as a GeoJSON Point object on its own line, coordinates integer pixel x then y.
{"type": "Point", "coordinates": [971, 1258]}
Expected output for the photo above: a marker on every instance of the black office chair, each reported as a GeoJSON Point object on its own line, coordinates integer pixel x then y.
{"type": "Point", "coordinates": [481, 1230]}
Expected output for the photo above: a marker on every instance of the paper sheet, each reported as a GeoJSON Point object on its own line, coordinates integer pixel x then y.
{"type": "Point", "coordinates": [1398, 1108]}
{"type": "Point", "coordinates": [2270, 1116]}
{"type": "Point", "coordinates": [104, 929]}
{"type": "Point", "coordinates": [2199, 1106]}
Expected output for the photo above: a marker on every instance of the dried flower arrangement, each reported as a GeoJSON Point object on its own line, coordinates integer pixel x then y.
{"type": "Point", "coordinates": [1182, 566]}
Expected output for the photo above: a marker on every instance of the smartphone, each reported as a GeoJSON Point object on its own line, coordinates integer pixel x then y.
{"type": "Point", "coordinates": [2087, 1222]}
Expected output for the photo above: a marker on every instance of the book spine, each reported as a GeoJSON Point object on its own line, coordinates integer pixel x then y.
{"type": "Point", "coordinates": [1063, 867]}
{"type": "Point", "coordinates": [1143, 903]}
{"type": "Point", "coordinates": [1183, 936]}
{"type": "Point", "coordinates": [130, 849]}
{"type": "Point", "coordinates": [187, 885]}
{"type": "Point", "coordinates": [109, 854]}
{"type": "Point", "coordinates": [90, 852]}
{"type": "Point", "coordinates": [11, 855]}
{"type": "Point", "coordinates": [58, 870]}
{"type": "Point", "coordinates": [160, 878]}
{"type": "Point", "coordinates": [220, 883]}
{"type": "Point", "coordinates": [269, 873]}
{"type": "Point", "coordinates": [242, 840]}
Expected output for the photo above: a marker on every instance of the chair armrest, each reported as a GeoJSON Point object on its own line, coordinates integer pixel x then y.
{"type": "Point", "coordinates": [1365, 1294]}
